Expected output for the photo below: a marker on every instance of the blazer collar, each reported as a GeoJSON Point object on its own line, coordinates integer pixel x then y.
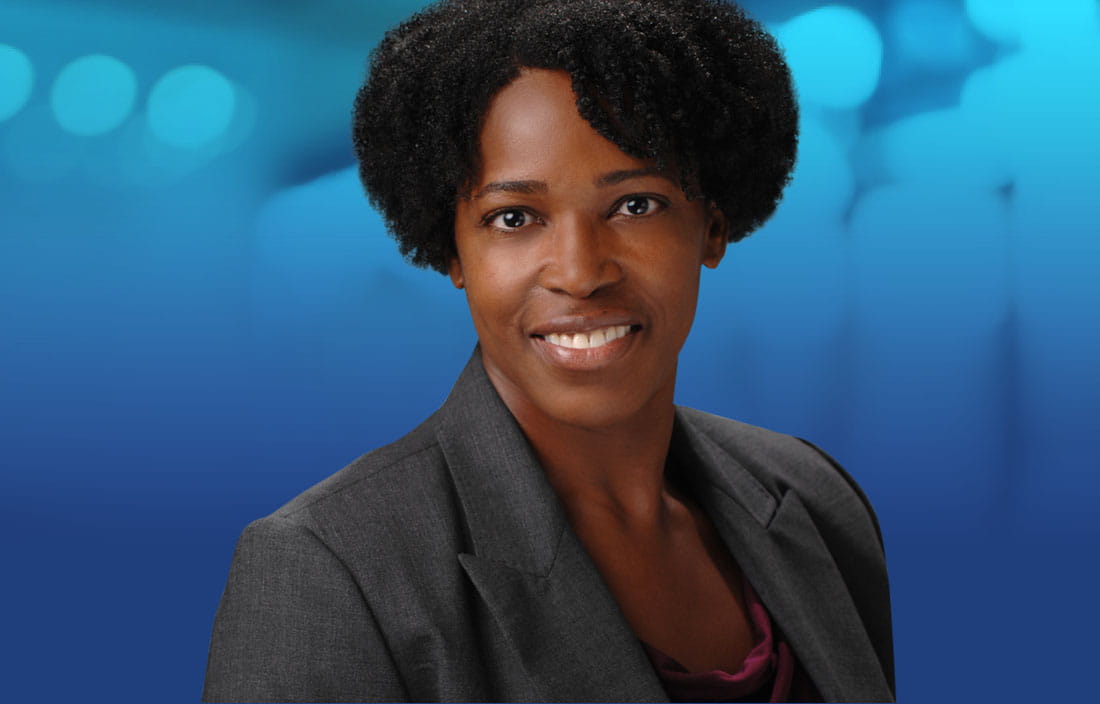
{"type": "Point", "coordinates": [550, 601]}
{"type": "Point", "coordinates": [778, 547]}
{"type": "Point", "coordinates": [528, 565]}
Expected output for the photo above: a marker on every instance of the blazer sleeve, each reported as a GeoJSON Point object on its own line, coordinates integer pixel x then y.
{"type": "Point", "coordinates": [861, 558]}
{"type": "Point", "coordinates": [293, 626]}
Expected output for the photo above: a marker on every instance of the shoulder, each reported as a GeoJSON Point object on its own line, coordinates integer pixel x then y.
{"type": "Point", "coordinates": [385, 506]}
{"type": "Point", "coordinates": [774, 458]}
{"type": "Point", "coordinates": [313, 602]}
{"type": "Point", "coordinates": [784, 466]}
{"type": "Point", "coordinates": [375, 491]}
{"type": "Point", "coordinates": [417, 449]}
{"type": "Point", "coordinates": [781, 463]}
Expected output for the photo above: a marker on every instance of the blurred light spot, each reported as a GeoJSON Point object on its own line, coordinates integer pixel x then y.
{"type": "Point", "coordinates": [821, 186]}
{"type": "Point", "coordinates": [846, 126]}
{"type": "Point", "coordinates": [1037, 109]}
{"type": "Point", "coordinates": [931, 258]}
{"type": "Point", "coordinates": [16, 79]}
{"type": "Point", "coordinates": [93, 95]}
{"type": "Point", "coordinates": [245, 111]}
{"type": "Point", "coordinates": [1056, 25]}
{"type": "Point", "coordinates": [299, 222]}
{"type": "Point", "coordinates": [932, 33]}
{"type": "Point", "coordinates": [332, 204]}
{"type": "Point", "coordinates": [1036, 23]}
{"type": "Point", "coordinates": [987, 99]}
{"type": "Point", "coordinates": [835, 54]}
{"type": "Point", "coordinates": [996, 19]}
{"type": "Point", "coordinates": [191, 106]}
{"type": "Point", "coordinates": [138, 161]}
{"type": "Point", "coordinates": [942, 147]}
{"type": "Point", "coordinates": [321, 257]}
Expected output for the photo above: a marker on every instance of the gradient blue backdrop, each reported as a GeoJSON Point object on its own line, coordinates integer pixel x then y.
{"type": "Point", "coordinates": [200, 316]}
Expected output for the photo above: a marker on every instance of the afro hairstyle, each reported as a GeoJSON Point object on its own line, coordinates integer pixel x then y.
{"type": "Point", "coordinates": [694, 85]}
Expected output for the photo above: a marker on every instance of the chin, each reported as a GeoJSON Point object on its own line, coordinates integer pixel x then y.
{"type": "Point", "coordinates": [595, 409]}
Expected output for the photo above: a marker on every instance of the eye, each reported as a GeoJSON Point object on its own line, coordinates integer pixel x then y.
{"type": "Point", "coordinates": [635, 206]}
{"type": "Point", "coordinates": [511, 219]}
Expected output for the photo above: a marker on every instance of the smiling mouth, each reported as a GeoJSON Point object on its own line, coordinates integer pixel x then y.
{"type": "Point", "coordinates": [591, 339]}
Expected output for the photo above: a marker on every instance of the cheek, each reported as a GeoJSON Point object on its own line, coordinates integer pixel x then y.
{"type": "Point", "coordinates": [672, 271]}
{"type": "Point", "coordinates": [494, 294]}
{"type": "Point", "coordinates": [676, 293]}
{"type": "Point", "coordinates": [684, 309]}
{"type": "Point", "coordinates": [490, 278]}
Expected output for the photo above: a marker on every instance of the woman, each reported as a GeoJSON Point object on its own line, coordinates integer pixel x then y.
{"type": "Point", "coordinates": [559, 530]}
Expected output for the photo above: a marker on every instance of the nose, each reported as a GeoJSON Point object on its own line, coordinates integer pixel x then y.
{"type": "Point", "coordinates": [581, 258]}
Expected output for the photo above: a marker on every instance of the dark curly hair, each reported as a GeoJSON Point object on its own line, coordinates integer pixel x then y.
{"type": "Point", "coordinates": [692, 84]}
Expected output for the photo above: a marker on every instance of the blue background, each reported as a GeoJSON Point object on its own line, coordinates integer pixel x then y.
{"type": "Point", "coordinates": [200, 316]}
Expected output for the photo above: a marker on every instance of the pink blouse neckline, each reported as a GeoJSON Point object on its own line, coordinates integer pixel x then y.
{"type": "Point", "coordinates": [770, 662]}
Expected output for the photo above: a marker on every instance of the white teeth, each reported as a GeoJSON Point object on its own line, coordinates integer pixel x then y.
{"type": "Point", "coordinates": [583, 341]}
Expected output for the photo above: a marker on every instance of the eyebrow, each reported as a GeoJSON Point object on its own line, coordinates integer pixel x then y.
{"type": "Point", "coordinates": [610, 179]}
{"type": "Point", "coordinates": [511, 187]}
{"type": "Point", "coordinates": [531, 186]}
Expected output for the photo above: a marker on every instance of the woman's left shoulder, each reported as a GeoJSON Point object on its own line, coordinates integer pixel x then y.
{"type": "Point", "coordinates": [782, 463]}
{"type": "Point", "coordinates": [788, 475]}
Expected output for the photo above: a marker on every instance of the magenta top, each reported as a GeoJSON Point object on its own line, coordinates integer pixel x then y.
{"type": "Point", "coordinates": [770, 672]}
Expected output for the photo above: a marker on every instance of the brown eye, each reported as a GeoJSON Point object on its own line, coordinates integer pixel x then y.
{"type": "Point", "coordinates": [639, 205]}
{"type": "Point", "coordinates": [509, 219]}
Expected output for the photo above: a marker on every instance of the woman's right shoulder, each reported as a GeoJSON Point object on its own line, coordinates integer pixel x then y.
{"type": "Point", "coordinates": [416, 452]}
{"type": "Point", "coordinates": [308, 610]}
{"type": "Point", "coordinates": [394, 495]}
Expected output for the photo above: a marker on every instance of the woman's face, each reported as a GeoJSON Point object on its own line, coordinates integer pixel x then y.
{"type": "Point", "coordinates": [580, 263]}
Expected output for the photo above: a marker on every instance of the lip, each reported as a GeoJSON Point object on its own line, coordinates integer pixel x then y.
{"type": "Point", "coordinates": [581, 322]}
{"type": "Point", "coordinates": [590, 359]}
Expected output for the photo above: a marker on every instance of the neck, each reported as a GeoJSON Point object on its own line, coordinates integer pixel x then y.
{"type": "Point", "coordinates": [617, 468]}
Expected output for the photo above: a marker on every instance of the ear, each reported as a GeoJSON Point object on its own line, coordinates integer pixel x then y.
{"type": "Point", "coordinates": [454, 270]}
{"type": "Point", "coordinates": [718, 235]}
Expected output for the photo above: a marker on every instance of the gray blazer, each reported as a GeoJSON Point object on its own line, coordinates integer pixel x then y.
{"type": "Point", "coordinates": [443, 568]}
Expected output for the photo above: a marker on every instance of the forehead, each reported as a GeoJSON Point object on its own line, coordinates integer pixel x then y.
{"type": "Point", "coordinates": [532, 124]}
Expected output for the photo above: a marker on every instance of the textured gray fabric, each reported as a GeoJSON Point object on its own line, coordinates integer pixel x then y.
{"type": "Point", "coordinates": [442, 568]}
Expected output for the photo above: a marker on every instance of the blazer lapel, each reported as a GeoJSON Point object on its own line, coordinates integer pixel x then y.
{"type": "Point", "coordinates": [550, 602]}
{"type": "Point", "coordinates": [785, 559]}
{"type": "Point", "coordinates": [529, 567]}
